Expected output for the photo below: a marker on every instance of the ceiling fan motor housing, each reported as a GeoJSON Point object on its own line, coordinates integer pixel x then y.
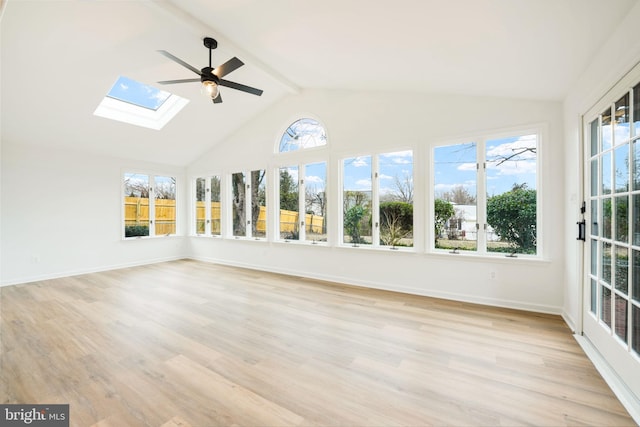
{"type": "Point", "coordinates": [208, 76]}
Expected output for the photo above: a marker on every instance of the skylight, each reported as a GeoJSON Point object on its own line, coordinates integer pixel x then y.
{"type": "Point", "coordinates": [130, 101]}
{"type": "Point", "coordinates": [136, 93]}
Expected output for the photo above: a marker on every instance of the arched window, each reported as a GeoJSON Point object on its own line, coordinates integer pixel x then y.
{"type": "Point", "coordinates": [303, 184]}
{"type": "Point", "coordinates": [301, 134]}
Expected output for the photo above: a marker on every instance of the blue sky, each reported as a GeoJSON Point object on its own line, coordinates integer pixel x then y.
{"type": "Point", "coordinates": [315, 175]}
{"type": "Point", "coordinates": [303, 133]}
{"type": "Point", "coordinates": [140, 94]}
{"type": "Point", "coordinates": [357, 171]}
{"type": "Point", "coordinates": [509, 161]}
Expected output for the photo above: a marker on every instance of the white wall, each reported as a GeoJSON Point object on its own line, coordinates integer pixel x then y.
{"type": "Point", "coordinates": [61, 215]}
{"type": "Point", "coordinates": [615, 59]}
{"type": "Point", "coordinates": [360, 123]}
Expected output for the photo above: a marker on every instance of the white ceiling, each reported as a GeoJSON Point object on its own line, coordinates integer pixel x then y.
{"type": "Point", "coordinates": [59, 58]}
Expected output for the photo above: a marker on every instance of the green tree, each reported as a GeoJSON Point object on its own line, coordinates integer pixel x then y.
{"type": "Point", "coordinates": [513, 216]}
{"type": "Point", "coordinates": [288, 192]}
{"type": "Point", "coordinates": [443, 210]}
{"type": "Point", "coordinates": [352, 220]}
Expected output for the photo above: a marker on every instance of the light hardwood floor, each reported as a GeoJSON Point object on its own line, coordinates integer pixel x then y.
{"type": "Point", "coordinates": [187, 343]}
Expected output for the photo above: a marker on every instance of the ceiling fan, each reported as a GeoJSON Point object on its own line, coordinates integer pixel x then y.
{"type": "Point", "coordinates": [212, 78]}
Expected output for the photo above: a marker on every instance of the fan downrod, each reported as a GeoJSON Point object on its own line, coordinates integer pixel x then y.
{"type": "Point", "coordinates": [210, 43]}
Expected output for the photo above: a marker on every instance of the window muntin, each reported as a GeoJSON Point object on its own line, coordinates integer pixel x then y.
{"type": "Point", "coordinates": [302, 134]}
{"type": "Point", "coordinates": [615, 233]}
{"type": "Point", "coordinates": [149, 205]}
{"type": "Point", "coordinates": [455, 205]}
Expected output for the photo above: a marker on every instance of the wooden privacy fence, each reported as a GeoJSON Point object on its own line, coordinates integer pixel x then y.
{"type": "Point", "coordinates": [288, 220]}
{"type": "Point", "coordinates": [136, 212]}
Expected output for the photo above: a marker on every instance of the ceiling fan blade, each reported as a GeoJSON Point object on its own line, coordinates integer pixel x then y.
{"type": "Point", "coordinates": [229, 66]}
{"type": "Point", "coordinates": [238, 86]}
{"type": "Point", "coordinates": [179, 61]}
{"type": "Point", "coordinates": [217, 99]}
{"type": "Point", "coordinates": [170, 82]}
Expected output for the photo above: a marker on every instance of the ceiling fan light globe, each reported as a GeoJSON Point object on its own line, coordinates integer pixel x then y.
{"type": "Point", "coordinates": [210, 89]}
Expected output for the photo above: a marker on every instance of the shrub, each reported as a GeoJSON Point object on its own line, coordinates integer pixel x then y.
{"type": "Point", "coordinates": [136, 230]}
{"type": "Point", "coordinates": [513, 216]}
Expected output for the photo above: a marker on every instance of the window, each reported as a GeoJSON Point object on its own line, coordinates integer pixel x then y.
{"type": "Point", "coordinates": [455, 206]}
{"type": "Point", "coordinates": [395, 195]}
{"type": "Point", "coordinates": [289, 203]}
{"type": "Point", "coordinates": [356, 201]}
{"type": "Point", "coordinates": [301, 134]}
{"type": "Point", "coordinates": [614, 200]}
{"type": "Point", "coordinates": [314, 188]}
{"type": "Point", "coordinates": [239, 204]}
{"type": "Point", "coordinates": [214, 185]}
{"type": "Point", "coordinates": [165, 205]}
{"type": "Point", "coordinates": [302, 186]}
{"type": "Point", "coordinates": [249, 206]}
{"type": "Point", "coordinates": [139, 104]}
{"type": "Point", "coordinates": [149, 205]}
{"type": "Point", "coordinates": [485, 195]}
{"type": "Point", "coordinates": [258, 204]}
{"type": "Point", "coordinates": [200, 208]}
{"type": "Point", "coordinates": [302, 201]}
{"type": "Point", "coordinates": [207, 206]}
{"type": "Point", "coordinates": [377, 200]}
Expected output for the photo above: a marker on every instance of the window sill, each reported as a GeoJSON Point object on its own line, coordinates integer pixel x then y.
{"type": "Point", "coordinates": [164, 236]}
{"type": "Point", "coordinates": [302, 243]}
{"type": "Point", "coordinates": [469, 255]}
{"type": "Point", "coordinates": [398, 249]}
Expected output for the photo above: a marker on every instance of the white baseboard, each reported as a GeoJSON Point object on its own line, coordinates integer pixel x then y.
{"type": "Point", "coordinates": [619, 388]}
{"type": "Point", "coordinates": [568, 319]}
{"type": "Point", "coordinates": [58, 275]}
{"type": "Point", "coordinates": [518, 305]}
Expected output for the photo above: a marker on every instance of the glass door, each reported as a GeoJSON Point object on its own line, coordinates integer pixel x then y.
{"type": "Point", "coordinates": [611, 318]}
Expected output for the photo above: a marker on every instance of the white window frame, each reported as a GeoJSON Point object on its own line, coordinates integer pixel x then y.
{"type": "Point", "coordinates": [481, 140]}
{"type": "Point", "coordinates": [302, 231]}
{"type": "Point", "coordinates": [375, 200]}
{"type": "Point", "coordinates": [152, 201]}
{"type": "Point", "coordinates": [247, 205]}
{"type": "Point", "coordinates": [208, 221]}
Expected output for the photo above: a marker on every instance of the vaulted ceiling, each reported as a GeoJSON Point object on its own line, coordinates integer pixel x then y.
{"type": "Point", "coordinates": [59, 58]}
